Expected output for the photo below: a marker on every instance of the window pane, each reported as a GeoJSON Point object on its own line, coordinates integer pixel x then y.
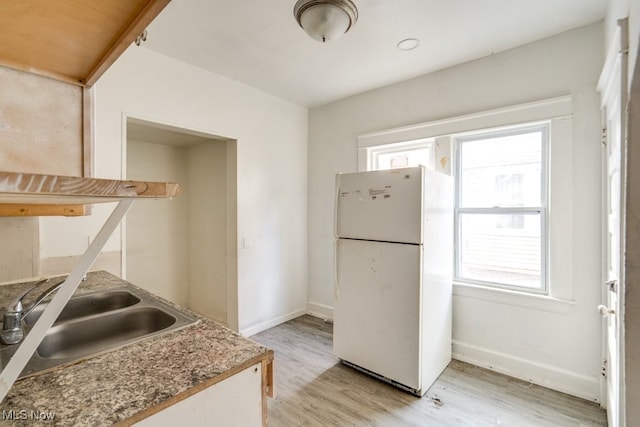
{"type": "Point", "coordinates": [501, 171]}
{"type": "Point", "coordinates": [403, 158]}
{"type": "Point", "coordinates": [500, 248]}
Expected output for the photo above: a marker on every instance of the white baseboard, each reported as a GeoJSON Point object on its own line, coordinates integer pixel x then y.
{"type": "Point", "coordinates": [322, 311]}
{"type": "Point", "coordinates": [572, 383]}
{"type": "Point", "coordinates": [562, 380]}
{"type": "Point", "coordinates": [263, 326]}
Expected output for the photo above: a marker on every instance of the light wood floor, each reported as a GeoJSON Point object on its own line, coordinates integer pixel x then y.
{"type": "Point", "coordinates": [314, 389]}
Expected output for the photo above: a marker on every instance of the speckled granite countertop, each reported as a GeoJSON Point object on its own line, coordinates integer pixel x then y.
{"type": "Point", "coordinates": [138, 378]}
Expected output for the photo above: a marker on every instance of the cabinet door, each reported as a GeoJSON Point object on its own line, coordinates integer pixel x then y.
{"type": "Point", "coordinates": [236, 401]}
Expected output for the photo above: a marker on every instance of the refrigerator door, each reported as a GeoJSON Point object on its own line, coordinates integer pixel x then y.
{"type": "Point", "coordinates": [377, 308]}
{"type": "Point", "coordinates": [380, 205]}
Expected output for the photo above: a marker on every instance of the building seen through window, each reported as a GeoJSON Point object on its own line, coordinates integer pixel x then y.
{"type": "Point", "coordinates": [500, 208]}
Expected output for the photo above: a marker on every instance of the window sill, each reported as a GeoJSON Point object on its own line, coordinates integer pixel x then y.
{"type": "Point", "coordinates": [504, 296]}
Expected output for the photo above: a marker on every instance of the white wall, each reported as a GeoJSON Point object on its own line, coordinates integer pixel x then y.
{"type": "Point", "coordinates": [208, 230]}
{"type": "Point", "coordinates": [560, 348]}
{"type": "Point", "coordinates": [19, 253]}
{"type": "Point", "coordinates": [178, 248]}
{"type": "Point", "coordinates": [157, 236]}
{"type": "Point", "coordinates": [271, 139]}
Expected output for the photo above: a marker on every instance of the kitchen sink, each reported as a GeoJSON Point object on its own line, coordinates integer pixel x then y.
{"type": "Point", "coordinates": [85, 336]}
{"type": "Point", "coordinates": [95, 323]}
{"type": "Point", "coordinates": [86, 305]}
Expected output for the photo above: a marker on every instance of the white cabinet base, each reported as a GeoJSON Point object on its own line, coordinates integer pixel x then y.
{"type": "Point", "coordinates": [235, 401]}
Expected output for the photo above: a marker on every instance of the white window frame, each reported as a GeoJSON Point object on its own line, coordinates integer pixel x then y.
{"type": "Point", "coordinates": [540, 210]}
{"type": "Point", "coordinates": [372, 162]}
{"type": "Point", "coordinates": [558, 112]}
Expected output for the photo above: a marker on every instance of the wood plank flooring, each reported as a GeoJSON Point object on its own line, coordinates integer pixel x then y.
{"type": "Point", "coordinates": [315, 389]}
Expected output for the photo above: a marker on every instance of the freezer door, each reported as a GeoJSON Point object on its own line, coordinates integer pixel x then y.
{"type": "Point", "coordinates": [380, 205]}
{"type": "Point", "coordinates": [377, 308]}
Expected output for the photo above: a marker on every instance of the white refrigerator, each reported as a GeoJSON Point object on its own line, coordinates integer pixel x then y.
{"type": "Point", "coordinates": [393, 274]}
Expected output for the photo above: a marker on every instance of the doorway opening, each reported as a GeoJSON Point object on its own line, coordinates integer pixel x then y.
{"type": "Point", "coordinates": [185, 249]}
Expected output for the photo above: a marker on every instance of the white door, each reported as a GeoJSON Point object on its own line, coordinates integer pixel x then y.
{"type": "Point", "coordinates": [611, 303]}
{"type": "Point", "coordinates": [613, 88]}
{"type": "Point", "coordinates": [380, 205]}
{"type": "Point", "coordinates": [377, 308]}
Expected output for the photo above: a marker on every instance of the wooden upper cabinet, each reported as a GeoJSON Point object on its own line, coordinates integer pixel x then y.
{"type": "Point", "coordinates": [51, 53]}
{"type": "Point", "coordinates": [74, 41]}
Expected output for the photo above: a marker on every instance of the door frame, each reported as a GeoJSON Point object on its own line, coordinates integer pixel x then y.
{"type": "Point", "coordinates": [612, 86]}
{"type": "Point", "coordinates": [232, 302]}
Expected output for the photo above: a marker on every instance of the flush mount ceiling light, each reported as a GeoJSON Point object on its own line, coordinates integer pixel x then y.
{"type": "Point", "coordinates": [325, 20]}
{"type": "Point", "coordinates": [408, 44]}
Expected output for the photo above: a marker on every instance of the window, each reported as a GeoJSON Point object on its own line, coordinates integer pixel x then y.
{"type": "Point", "coordinates": [517, 187]}
{"type": "Point", "coordinates": [402, 155]}
{"type": "Point", "coordinates": [500, 208]}
{"type": "Point", "coordinates": [501, 195]}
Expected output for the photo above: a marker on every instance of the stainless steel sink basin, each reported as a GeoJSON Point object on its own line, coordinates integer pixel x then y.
{"type": "Point", "coordinates": [86, 305]}
{"type": "Point", "coordinates": [95, 334]}
{"type": "Point", "coordinates": [95, 323]}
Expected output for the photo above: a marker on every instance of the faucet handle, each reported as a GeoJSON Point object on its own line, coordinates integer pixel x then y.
{"type": "Point", "coordinates": [16, 306]}
{"type": "Point", "coordinates": [11, 332]}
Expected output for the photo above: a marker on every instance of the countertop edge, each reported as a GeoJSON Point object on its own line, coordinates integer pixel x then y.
{"type": "Point", "coordinates": [265, 357]}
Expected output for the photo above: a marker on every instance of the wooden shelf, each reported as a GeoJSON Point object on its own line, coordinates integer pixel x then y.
{"type": "Point", "coordinates": [74, 41]}
{"type": "Point", "coordinates": [25, 194]}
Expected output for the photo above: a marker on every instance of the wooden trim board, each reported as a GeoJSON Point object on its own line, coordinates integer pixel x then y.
{"type": "Point", "coordinates": [137, 26]}
{"type": "Point", "coordinates": [25, 188]}
{"type": "Point", "coordinates": [88, 139]}
{"type": "Point", "coordinates": [268, 385]}
{"type": "Point", "coordinates": [7, 209]}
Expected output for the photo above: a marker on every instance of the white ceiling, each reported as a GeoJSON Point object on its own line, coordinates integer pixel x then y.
{"type": "Point", "coordinates": [258, 42]}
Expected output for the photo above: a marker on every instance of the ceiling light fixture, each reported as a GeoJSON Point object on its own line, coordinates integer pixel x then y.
{"type": "Point", "coordinates": [408, 44]}
{"type": "Point", "coordinates": [325, 20]}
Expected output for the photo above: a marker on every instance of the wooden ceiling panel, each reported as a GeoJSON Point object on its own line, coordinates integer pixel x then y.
{"type": "Point", "coordinates": [71, 40]}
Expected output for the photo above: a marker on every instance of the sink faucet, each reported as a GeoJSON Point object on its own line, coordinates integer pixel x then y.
{"type": "Point", "coordinates": [12, 332]}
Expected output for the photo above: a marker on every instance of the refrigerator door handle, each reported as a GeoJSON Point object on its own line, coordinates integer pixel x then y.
{"type": "Point", "coordinates": [335, 206]}
{"type": "Point", "coordinates": [336, 287]}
